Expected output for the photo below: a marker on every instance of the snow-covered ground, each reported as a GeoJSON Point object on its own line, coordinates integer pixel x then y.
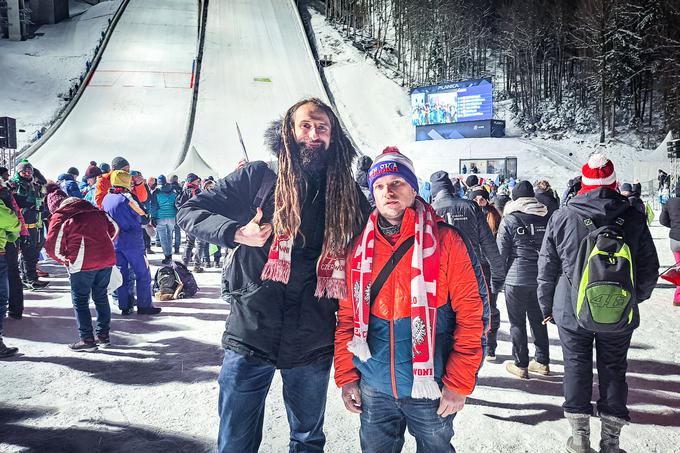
{"type": "Point", "coordinates": [37, 73]}
{"type": "Point", "coordinates": [155, 389]}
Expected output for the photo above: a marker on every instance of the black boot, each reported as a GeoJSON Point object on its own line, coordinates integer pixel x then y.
{"type": "Point", "coordinates": [148, 311]}
{"type": "Point", "coordinates": [579, 442]}
{"type": "Point", "coordinates": [167, 260]}
{"type": "Point", "coordinates": [611, 430]}
{"type": "Point", "coordinates": [5, 351]}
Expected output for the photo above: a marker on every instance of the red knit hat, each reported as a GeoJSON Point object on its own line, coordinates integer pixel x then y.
{"type": "Point", "coordinates": [597, 172]}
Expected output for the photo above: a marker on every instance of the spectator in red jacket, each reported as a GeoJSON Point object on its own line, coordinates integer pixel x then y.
{"type": "Point", "coordinates": [81, 238]}
{"type": "Point", "coordinates": [407, 352]}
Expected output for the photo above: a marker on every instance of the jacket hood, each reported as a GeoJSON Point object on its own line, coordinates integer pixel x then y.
{"type": "Point", "coordinates": [272, 137]}
{"type": "Point", "coordinates": [75, 208]}
{"type": "Point", "coordinates": [66, 177]}
{"type": "Point", "coordinates": [440, 181]}
{"type": "Point", "coordinates": [601, 205]}
{"type": "Point", "coordinates": [527, 205]}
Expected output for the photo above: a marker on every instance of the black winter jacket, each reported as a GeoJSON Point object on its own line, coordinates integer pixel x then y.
{"type": "Point", "coordinates": [519, 240]}
{"type": "Point", "coordinates": [638, 204]}
{"type": "Point", "coordinates": [467, 216]}
{"type": "Point", "coordinates": [281, 324]}
{"type": "Point", "coordinates": [563, 237]}
{"type": "Point", "coordinates": [670, 217]}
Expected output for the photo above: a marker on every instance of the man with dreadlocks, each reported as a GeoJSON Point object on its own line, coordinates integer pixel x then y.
{"type": "Point", "coordinates": [291, 231]}
{"type": "Point", "coordinates": [411, 333]}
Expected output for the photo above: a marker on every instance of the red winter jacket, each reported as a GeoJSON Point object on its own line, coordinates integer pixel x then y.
{"type": "Point", "coordinates": [81, 237]}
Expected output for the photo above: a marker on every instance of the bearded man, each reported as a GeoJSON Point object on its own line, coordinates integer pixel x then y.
{"type": "Point", "coordinates": [284, 279]}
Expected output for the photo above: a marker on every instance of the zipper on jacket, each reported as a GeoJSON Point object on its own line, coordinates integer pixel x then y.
{"type": "Point", "coordinates": [392, 311]}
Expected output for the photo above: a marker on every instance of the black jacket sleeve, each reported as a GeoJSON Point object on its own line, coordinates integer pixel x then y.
{"type": "Point", "coordinates": [214, 215]}
{"type": "Point", "coordinates": [504, 242]}
{"type": "Point", "coordinates": [647, 266]}
{"type": "Point", "coordinates": [549, 270]}
{"type": "Point", "coordinates": [490, 252]}
{"type": "Point", "coordinates": [665, 218]}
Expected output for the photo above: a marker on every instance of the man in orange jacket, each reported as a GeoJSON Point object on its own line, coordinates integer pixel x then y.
{"type": "Point", "coordinates": [104, 183]}
{"type": "Point", "coordinates": [410, 337]}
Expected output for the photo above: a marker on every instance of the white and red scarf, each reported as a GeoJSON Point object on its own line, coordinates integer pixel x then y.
{"type": "Point", "coordinates": [424, 273]}
{"type": "Point", "coordinates": [330, 269]}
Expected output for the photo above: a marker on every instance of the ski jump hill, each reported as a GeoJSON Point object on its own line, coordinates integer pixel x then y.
{"type": "Point", "coordinates": [138, 100]}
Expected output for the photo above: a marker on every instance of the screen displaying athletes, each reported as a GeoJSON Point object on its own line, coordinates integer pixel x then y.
{"type": "Point", "coordinates": [468, 100]}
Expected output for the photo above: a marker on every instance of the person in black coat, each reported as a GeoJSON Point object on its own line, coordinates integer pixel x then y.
{"type": "Point", "coordinates": [361, 177]}
{"type": "Point", "coordinates": [670, 218]}
{"type": "Point", "coordinates": [546, 195]}
{"type": "Point", "coordinates": [468, 217]}
{"type": "Point", "coordinates": [633, 197]}
{"type": "Point", "coordinates": [283, 306]}
{"type": "Point", "coordinates": [519, 240]}
{"type": "Point", "coordinates": [502, 198]}
{"type": "Point", "coordinates": [598, 201]}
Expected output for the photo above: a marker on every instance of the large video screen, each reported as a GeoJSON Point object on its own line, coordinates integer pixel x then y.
{"type": "Point", "coordinates": [455, 102]}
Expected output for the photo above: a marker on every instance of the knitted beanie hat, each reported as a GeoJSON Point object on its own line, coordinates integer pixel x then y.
{"type": "Point", "coordinates": [523, 189]}
{"type": "Point", "coordinates": [597, 172]}
{"type": "Point", "coordinates": [392, 162]}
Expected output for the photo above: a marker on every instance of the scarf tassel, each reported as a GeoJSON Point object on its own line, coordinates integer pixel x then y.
{"type": "Point", "coordinates": [276, 270]}
{"type": "Point", "coordinates": [359, 347]}
{"type": "Point", "coordinates": [426, 388]}
{"type": "Point", "coordinates": [331, 288]}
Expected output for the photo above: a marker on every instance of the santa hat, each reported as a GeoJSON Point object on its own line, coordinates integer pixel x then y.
{"type": "Point", "coordinates": [597, 172]}
{"type": "Point", "coordinates": [392, 162]}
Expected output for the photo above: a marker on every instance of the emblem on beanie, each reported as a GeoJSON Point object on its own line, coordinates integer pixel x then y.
{"type": "Point", "coordinates": [387, 167]}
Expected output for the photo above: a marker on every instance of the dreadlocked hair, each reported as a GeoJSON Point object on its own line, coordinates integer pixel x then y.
{"type": "Point", "coordinates": [343, 214]}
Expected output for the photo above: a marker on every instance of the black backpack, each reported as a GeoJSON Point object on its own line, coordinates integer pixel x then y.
{"type": "Point", "coordinates": [603, 282]}
{"type": "Point", "coordinates": [165, 283]}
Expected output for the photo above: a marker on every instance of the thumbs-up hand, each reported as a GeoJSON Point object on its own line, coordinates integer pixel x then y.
{"type": "Point", "coordinates": [253, 234]}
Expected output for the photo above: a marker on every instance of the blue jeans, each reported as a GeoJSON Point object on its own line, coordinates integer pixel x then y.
{"type": "Point", "coordinates": [4, 289]}
{"type": "Point", "coordinates": [244, 384]}
{"type": "Point", "coordinates": [164, 229]}
{"type": "Point", "coordinates": [96, 283]}
{"type": "Point", "coordinates": [384, 420]}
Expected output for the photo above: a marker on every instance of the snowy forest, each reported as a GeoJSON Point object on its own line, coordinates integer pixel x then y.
{"type": "Point", "coordinates": [607, 66]}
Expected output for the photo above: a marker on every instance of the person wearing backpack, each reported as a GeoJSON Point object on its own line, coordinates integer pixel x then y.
{"type": "Point", "coordinates": [597, 262]}
{"type": "Point", "coordinates": [519, 239]}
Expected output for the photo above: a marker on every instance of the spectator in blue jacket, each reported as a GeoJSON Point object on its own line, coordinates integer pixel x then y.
{"type": "Point", "coordinates": [68, 183]}
{"type": "Point", "coordinates": [126, 212]}
{"type": "Point", "coordinates": [163, 212]}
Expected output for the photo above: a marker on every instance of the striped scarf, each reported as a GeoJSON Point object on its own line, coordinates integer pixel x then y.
{"type": "Point", "coordinates": [424, 274]}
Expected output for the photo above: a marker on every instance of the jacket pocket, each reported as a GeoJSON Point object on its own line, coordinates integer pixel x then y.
{"type": "Point", "coordinates": [255, 318]}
